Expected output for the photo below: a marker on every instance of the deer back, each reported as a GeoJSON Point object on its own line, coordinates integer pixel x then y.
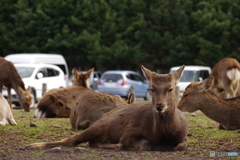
{"type": "Point", "coordinates": [92, 105]}
{"type": "Point", "coordinates": [226, 75]}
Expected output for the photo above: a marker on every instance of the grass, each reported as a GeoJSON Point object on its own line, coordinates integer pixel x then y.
{"type": "Point", "coordinates": [204, 136]}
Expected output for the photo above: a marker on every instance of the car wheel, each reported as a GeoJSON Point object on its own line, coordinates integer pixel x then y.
{"type": "Point", "coordinates": [148, 96]}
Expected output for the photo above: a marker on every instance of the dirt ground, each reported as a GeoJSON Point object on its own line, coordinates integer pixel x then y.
{"type": "Point", "coordinates": [203, 137]}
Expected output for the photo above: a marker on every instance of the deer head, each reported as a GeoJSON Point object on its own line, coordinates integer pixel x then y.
{"type": "Point", "coordinates": [163, 88]}
{"type": "Point", "coordinates": [193, 93]}
{"type": "Point", "coordinates": [25, 98]}
{"type": "Point", "coordinates": [81, 79]}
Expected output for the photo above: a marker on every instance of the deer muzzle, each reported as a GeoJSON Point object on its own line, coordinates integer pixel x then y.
{"type": "Point", "coordinates": [161, 108]}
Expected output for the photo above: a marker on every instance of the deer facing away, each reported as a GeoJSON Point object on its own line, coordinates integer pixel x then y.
{"type": "Point", "coordinates": [57, 103]}
{"type": "Point", "coordinates": [143, 126]}
{"type": "Point", "coordinates": [226, 75]}
{"type": "Point", "coordinates": [198, 96]}
{"type": "Point", "coordinates": [92, 105]}
{"type": "Point", "coordinates": [10, 78]}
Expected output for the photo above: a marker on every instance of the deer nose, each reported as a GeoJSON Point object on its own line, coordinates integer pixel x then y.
{"type": "Point", "coordinates": [159, 107]}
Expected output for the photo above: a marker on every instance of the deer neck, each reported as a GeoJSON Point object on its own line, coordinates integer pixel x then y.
{"type": "Point", "coordinates": [214, 107]}
{"type": "Point", "coordinates": [18, 91]}
{"type": "Point", "coordinates": [167, 118]}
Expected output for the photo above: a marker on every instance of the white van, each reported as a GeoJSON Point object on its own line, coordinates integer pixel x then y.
{"type": "Point", "coordinates": [35, 58]}
{"type": "Point", "coordinates": [191, 74]}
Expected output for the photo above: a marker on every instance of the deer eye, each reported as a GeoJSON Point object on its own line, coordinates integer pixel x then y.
{"type": "Point", "coordinates": [185, 95]}
{"type": "Point", "coordinates": [152, 90]}
{"type": "Point", "coordinates": [170, 90]}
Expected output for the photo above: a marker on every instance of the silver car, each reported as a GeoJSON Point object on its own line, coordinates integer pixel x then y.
{"type": "Point", "coordinates": [123, 83]}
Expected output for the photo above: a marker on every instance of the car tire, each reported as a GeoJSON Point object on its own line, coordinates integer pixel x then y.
{"type": "Point", "coordinates": [148, 96]}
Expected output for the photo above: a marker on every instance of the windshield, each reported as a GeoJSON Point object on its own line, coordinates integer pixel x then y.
{"type": "Point", "coordinates": [188, 76]}
{"type": "Point", "coordinates": [25, 72]}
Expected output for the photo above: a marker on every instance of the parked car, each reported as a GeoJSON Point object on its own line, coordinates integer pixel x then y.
{"type": "Point", "coordinates": [34, 75]}
{"type": "Point", "coordinates": [123, 82]}
{"type": "Point", "coordinates": [93, 80]}
{"type": "Point", "coordinates": [191, 74]}
{"type": "Point", "coordinates": [39, 58]}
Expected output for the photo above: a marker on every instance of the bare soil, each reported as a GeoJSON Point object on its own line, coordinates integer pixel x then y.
{"type": "Point", "coordinates": [203, 137]}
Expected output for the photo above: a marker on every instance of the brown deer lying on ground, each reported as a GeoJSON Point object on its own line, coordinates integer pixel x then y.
{"type": "Point", "coordinates": [92, 105]}
{"type": "Point", "coordinates": [6, 116]}
{"type": "Point", "coordinates": [156, 125]}
{"type": "Point", "coordinates": [57, 103]}
{"type": "Point", "coordinates": [226, 75]}
{"type": "Point", "coordinates": [198, 96]}
{"type": "Point", "coordinates": [10, 78]}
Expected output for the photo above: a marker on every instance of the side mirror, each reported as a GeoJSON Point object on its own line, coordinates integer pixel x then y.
{"type": "Point", "coordinates": [39, 75]}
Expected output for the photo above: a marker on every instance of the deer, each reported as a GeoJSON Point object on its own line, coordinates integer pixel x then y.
{"type": "Point", "coordinates": [57, 103]}
{"type": "Point", "coordinates": [92, 105]}
{"type": "Point", "coordinates": [157, 125]}
{"type": "Point", "coordinates": [198, 96]}
{"type": "Point", "coordinates": [226, 75]}
{"type": "Point", "coordinates": [11, 79]}
{"type": "Point", "coordinates": [6, 116]}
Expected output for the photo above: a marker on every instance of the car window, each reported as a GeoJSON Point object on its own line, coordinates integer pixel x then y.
{"type": "Point", "coordinates": [204, 74]}
{"type": "Point", "coordinates": [52, 72]}
{"type": "Point", "coordinates": [43, 71]}
{"type": "Point", "coordinates": [135, 77]}
{"type": "Point", "coordinates": [25, 72]}
{"type": "Point", "coordinates": [188, 76]}
{"type": "Point", "coordinates": [112, 77]}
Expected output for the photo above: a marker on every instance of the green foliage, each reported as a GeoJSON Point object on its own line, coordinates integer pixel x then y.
{"type": "Point", "coordinates": [122, 34]}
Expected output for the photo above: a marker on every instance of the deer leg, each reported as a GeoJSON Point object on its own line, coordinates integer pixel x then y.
{"type": "Point", "coordinates": [181, 146]}
{"type": "Point", "coordinates": [137, 142]}
{"type": "Point", "coordinates": [3, 123]}
{"type": "Point", "coordinates": [87, 135]}
{"type": "Point", "coordinates": [221, 127]}
{"type": "Point", "coordinates": [10, 97]}
{"type": "Point", "coordinates": [229, 127]}
{"type": "Point", "coordinates": [1, 87]}
{"type": "Point", "coordinates": [117, 146]}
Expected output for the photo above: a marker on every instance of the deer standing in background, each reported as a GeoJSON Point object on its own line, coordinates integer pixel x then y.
{"type": "Point", "coordinates": [226, 75]}
{"type": "Point", "coordinates": [10, 78]}
{"type": "Point", "coordinates": [143, 126]}
{"type": "Point", "coordinates": [198, 96]}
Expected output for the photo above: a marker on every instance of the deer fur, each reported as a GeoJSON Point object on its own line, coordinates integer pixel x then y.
{"type": "Point", "coordinates": [6, 116]}
{"type": "Point", "coordinates": [10, 78]}
{"type": "Point", "coordinates": [143, 126]}
{"type": "Point", "coordinates": [57, 103]}
{"type": "Point", "coordinates": [92, 105]}
{"type": "Point", "coordinates": [226, 75]}
{"type": "Point", "coordinates": [198, 96]}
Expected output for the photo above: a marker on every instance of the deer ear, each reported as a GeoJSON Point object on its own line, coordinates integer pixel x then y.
{"type": "Point", "coordinates": [74, 72]}
{"type": "Point", "coordinates": [178, 73]}
{"type": "Point", "coordinates": [207, 83]}
{"type": "Point", "coordinates": [147, 74]}
{"type": "Point", "coordinates": [29, 89]}
{"type": "Point", "coordinates": [88, 73]}
{"type": "Point", "coordinates": [131, 99]}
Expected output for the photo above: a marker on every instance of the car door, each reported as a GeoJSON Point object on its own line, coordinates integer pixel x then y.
{"type": "Point", "coordinates": [53, 80]}
{"type": "Point", "coordinates": [139, 84]}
